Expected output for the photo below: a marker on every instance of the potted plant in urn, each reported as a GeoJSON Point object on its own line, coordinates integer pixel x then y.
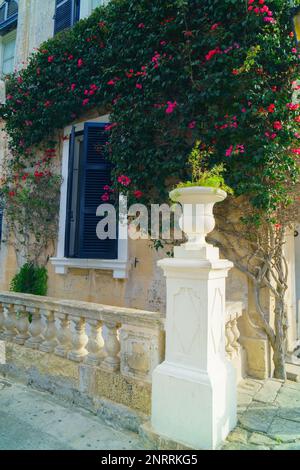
{"type": "Point", "coordinates": [198, 197]}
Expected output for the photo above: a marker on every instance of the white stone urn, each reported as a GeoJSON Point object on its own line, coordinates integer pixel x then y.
{"type": "Point", "coordinates": [198, 220]}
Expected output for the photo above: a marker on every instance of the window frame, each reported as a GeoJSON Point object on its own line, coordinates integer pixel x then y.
{"type": "Point", "coordinates": [62, 264]}
{"type": "Point", "coordinates": [11, 36]}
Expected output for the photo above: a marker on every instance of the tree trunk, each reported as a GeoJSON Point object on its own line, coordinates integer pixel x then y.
{"type": "Point", "coordinates": [279, 346]}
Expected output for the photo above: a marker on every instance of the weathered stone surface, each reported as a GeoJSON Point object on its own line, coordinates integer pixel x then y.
{"type": "Point", "coordinates": [250, 386]}
{"type": "Point", "coordinates": [238, 435]}
{"type": "Point", "coordinates": [31, 420]}
{"type": "Point", "coordinates": [288, 397]}
{"type": "Point", "coordinates": [291, 446]}
{"type": "Point", "coordinates": [269, 391]}
{"type": "Point", "coordinates": [238, 446]}
{"type": "Point", "coordinates": [292, 414]}
{"type": "Point", "coordinates": [258, 417]}
{"type": "Point", "coordinates": [261, 439]}
{"type": "Point", "coordinates": [285, 430]}
{"type": "Point", "coordinates": [244, 400]}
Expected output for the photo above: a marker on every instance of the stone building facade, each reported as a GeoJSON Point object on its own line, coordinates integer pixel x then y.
{"type": "Point", "coordinates": [133, 278]}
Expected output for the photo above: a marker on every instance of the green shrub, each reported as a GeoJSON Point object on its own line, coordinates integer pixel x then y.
{"type": "Point", "coordinates": [30, 279]}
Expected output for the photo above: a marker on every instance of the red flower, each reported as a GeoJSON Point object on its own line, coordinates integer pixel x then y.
{"type": "Point", "coordinates": [141, 26]}
{"type": "Point", "coordinates": [11, 193]}
{"type": "Point", "coordinates": [85, 102]}
{"type": "Point", "coordinates": [50, 59]}
{"type": "Point", "coordinates": [277, 126]}
{"type": "Point", "coordinates": [139, 86]}
{"type": "Point", "coordinates": [271, 108]}
{"type": "Point", "coordinates": [105, 197]}
{"type": "Point", "coordinates": [73, 86]}
{"type": "Point", "coordinates": [138, 194]}
{"type": "Point", "coordinates": [79, 63]}
{"type": "Point", "coordinates": [124, 180]}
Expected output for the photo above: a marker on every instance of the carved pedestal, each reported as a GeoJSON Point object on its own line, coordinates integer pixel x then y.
{"type": "Point", "coordinates": [194, 389]}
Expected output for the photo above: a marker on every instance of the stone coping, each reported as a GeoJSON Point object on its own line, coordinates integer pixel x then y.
{"type": "Point", "coordinates": [90, 310]}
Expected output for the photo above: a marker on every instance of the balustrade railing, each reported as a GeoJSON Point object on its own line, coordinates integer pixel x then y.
{"type": "Point", "coordinates": [113, 338]}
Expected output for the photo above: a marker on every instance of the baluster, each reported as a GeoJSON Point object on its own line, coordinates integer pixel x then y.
{"type": "Point", "coordinates": [237, 334]}
{"type": "Point", "coordinates": [112, 347]}
{"type": "Point", "coordinates": [49, 334]}
{"type": "Point", "coordinates": [22, 325]}
{"type": "Point", "coordinates": [9, 322]}
{"type": "Point", "coordinates": [229, 340]}
{"type": "Point", "coordinates": [35, 329]}
{"type": "Point", "coordinates": [95, 344]}
{"type": "Point", "coordinates": [2, 318]}
{"type": "Point", "coordinates": [79, 340]}
{"type": "Point", "coordinates": [63, 335]}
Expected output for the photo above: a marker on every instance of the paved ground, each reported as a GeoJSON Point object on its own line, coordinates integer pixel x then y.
{"type": "Point", "coordinates": [36, 420]}
{"type": "Point", "coordinates": [269, 418]}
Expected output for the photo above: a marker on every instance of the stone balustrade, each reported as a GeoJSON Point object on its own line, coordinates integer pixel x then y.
{"type": "Point", "coordinates": [234, 310]}
{"type": "Point", "coordinates": [115, 339]}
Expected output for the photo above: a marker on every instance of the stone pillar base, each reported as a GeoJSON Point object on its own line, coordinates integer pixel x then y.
{"type": "Point", "coordinates": [199, 408]}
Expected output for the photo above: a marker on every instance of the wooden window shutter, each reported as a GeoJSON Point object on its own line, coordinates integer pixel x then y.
{"type": "Point", "coordinates": [67, 12]}
{"type": "Point", "coordinates": [95, 173]}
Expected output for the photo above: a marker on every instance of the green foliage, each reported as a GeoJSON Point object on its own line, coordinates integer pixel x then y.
{"type": "Point", "coordinates": [170, 74]}
{"type": "Point", "coordinates": [201, 174]}
{"type": "Point", "coordinates": [30, 280]}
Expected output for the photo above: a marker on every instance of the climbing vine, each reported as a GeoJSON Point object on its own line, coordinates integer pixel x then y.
{"type": "Point", "coordinates": [170, 74]}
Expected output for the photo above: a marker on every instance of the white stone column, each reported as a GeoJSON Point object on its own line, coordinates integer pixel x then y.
{"type": "Point", "coordinates": [194, 389]}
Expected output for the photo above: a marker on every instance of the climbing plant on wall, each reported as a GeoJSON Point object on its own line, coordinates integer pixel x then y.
{"type": "Point", "coordinates": [170, 74]}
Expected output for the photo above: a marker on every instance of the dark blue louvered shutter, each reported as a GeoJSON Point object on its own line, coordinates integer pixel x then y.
{"type": "Point", "coordinates": [95, 174]}
{"type": "Point", "coordinates": [68, 251]}
{"type": "Point", "coordinates": [67, 12]}
{"type": "Point", "coordinates": [1, 223]}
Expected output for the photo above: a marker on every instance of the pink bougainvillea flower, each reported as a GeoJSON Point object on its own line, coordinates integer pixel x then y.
{"type": "Point", "coordinates": [111, 82]}
{"type": "Point", "coordinates": [79, 63]}
{"type": "Point", "coordinates": [235, 72]}
{"type": "Point", "coordinates": [171, 105]}
{"type": "Point", "coordinates": [105, 197]}
{"type": "Point", "coordinates": [240, 148]}
{"type": "Point", "coordinates": [9, 97]}
{"type": "Point", "coordinates": [85, 102]}
{"type": "Point", "coordinates": [138, 194]}
{"type": "Point", "coordinates": [73, 86]}
{"type": "Point", "coordinates": [271, 108]}
{"type": "Point", "coordinates": [271, 135]}
{"type": "Point", "coordinates": [139, 86]}
{"type": "Point", "coordinates": [124, 180]}
{"type": "Point", "coordinates": [106, 188]}
{"type": "Point", "coordinates": [101, 24]}
{"type": "Point", "coordinates": [297, 135]}
{"type": "Point", "coordinates": [229, 151]}
{"type": "Point", "coordinates": [141, 26]}
{"type": "Point", "coordinates": [296, 151]}
{"type": "Point", "coordinates": [109, 127]}
{"type": "Point", "coordinates": [192, 125]}
{"type": "Point", "coordinates": [163, 43]}
{"type": "Point", "coordinates": [277, 126]}
{"type": "Point", "coordinates": [294, 50]}
{"type": "Point", "coordinates": [215, 26]}
{"type": "Point", "coordinates": [212, 53]}
{"type": "Point", "coordinates": [28, 123]}
{"type": "Point", "coordinates": [292, 106]}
